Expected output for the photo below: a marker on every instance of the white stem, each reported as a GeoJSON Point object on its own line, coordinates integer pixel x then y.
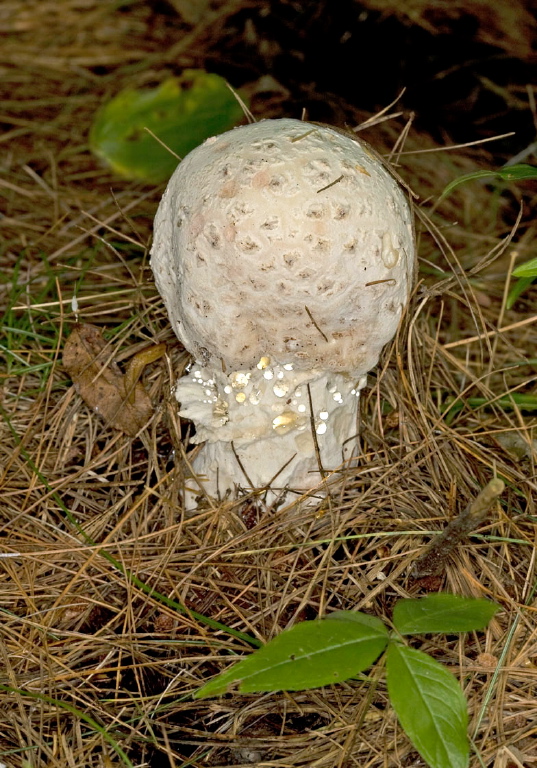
{"type": "Point", "coordinates": [268, 427]}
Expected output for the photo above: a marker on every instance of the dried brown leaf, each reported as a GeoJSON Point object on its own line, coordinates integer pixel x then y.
{"type": "Point", "coordinates": [100, 383]}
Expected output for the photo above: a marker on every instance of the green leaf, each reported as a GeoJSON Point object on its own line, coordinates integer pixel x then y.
{"type": "Point", "coordinates": [430, 706]}
{"type": "Point", "coordinates": [528, 269]}
{"type": "Point", "coordinates": [518, 172]}
{"type": "Point", "coordinates": [182, 113]}
{"type": "Point", "coordinates": [361, 618]}
{"type": "Point", "coordinates": [517, 290]}
{"type": "Point", "coordinates": [442, 613]}
{"type": "Point", "coordinates": [309, 655]}
{"type": "Point", "coordinates": [509, 173]}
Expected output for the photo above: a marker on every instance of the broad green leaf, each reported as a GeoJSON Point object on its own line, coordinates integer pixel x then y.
{"type": "Point", "coordinates": [442, 613]}
{"type": "Point", "coordinates": [430, 706]}
{"type": "Point", "coordinates": [528, 269]}
{"type": "Point", "coordinates": [309, 655]}
{"type": "Point", "coordinates": [358, 617]}
{"type": "Point", "coordinates": [181, 113]}
{"type": "Point", "coordinates": [509, 173]}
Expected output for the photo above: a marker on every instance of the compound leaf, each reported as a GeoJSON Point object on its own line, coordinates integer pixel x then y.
{"type": "Point", "coordinates": [430, 706]}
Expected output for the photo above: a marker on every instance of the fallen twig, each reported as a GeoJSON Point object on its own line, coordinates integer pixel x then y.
{"type": "Point", "coordinates": [432, 562]}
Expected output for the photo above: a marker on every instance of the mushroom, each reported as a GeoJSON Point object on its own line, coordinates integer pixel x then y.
{"type": "Point", "coordinates": [284, 253]}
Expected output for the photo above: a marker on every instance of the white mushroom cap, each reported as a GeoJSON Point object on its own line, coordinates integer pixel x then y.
{"type": "Point", "coordinates": [287, 240]}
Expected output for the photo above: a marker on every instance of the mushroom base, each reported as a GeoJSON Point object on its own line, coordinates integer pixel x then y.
{"type": "Point", "coordinates": [274, 429]}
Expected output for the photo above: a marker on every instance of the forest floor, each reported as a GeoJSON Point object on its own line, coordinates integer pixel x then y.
{"type": "Point", "coordinates": [108, 591]}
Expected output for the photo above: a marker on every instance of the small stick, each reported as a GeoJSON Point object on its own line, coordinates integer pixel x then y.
{"type": "Point", "coordinates": [241, 465]}
{"type": "Point", "coordinates": [339, 178]}
{"type": "Point", "coordinates": [325, 337]}
{"type": "Point", "coordinates": [490, 334]}
{"type": "Point", "coordinates": [314, 435]}
{"type": "Point", "coordinates": [257, 491]}
{"type": "Point", "coordinates": [303, 135]}
{"type": "Point", "coordinates": [162, 144]}
{"type": "Point", "coordinates": [432, 562]}
{"type": "Point", "coordinates": [377, 282]}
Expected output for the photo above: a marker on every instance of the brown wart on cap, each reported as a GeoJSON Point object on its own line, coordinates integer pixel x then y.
{"type": "Point", "coordinates": [285, 251]}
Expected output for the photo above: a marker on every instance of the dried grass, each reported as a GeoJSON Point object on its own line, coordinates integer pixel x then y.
{"type": "Point", "coordinates": [99, 626]}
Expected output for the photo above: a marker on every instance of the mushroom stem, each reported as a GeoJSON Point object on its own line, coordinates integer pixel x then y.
{"type": "Point", "coordinates": [272, 428]}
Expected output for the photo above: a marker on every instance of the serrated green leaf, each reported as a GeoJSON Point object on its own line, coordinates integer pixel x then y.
{"type": "Point", "coordinates": [510, 173]}
{"type": "Point", "coordinates": [430, 706]}
{"type": "Point", "coordinates": [528, 269]}
{"type": "Point", "coordinates": [182, 113]}
{"type": "Point", "coordinates": [361, 618]}
{"type": "Point", "coordinates": [309, 655]}
{"type": "Point", "coordinates": [442, 612]}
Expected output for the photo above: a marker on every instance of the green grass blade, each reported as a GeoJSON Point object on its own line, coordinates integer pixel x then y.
{"type": "Point", "coordinates": [519, 172]}
{"type": "Point", "coordinates": [525, 402]}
